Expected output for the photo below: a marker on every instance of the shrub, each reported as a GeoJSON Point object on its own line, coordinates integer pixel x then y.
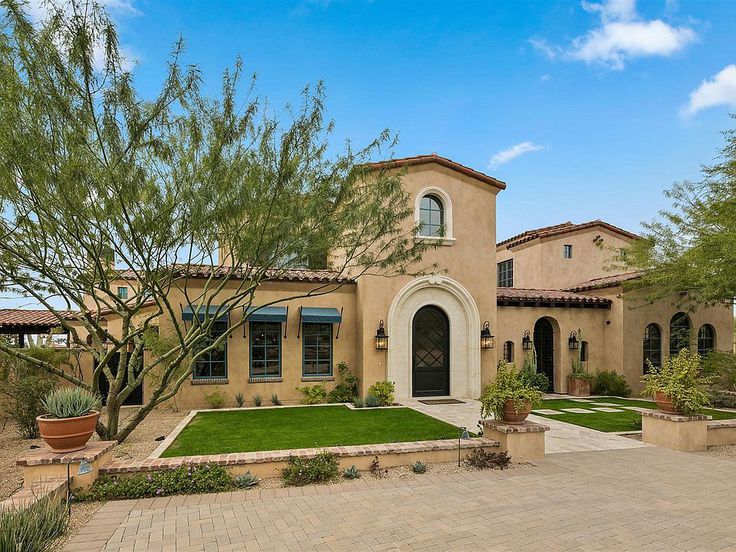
{"type": "Point", "coordinates": [246, 481]}
{"type": "Point", "coordinates": [507, 386]}
{"type": "Point", "coordinates": [347, 389]}
{"type": "Point", "coordinates": [313, 394]}
{"type": "Point", "coordinates": [275, 400]}
{"type": "Point", "coordinates": [358, 402]}
{"type": "Point", "coordinates": [535, 379]}
{"type": "Point", "coordinates": [375, 468]}
{"type": "Point", "coordinates": [257, 400]}
{"type": "Point", "coordinates": [482, 459]}
{"type": "Point", "coordinates": [722, 399]}
{"type": "Point", "coordinates": [419, 467]}
{"type": "Point", "coordinates": [33, 528]}
{"type": "Point", "coordinates": [70, 402]}
{"type": "Point", "coordinates": [22, 390]}
{"type": "Point", "coordinates": [608, 382]}
{"type": "Point", "coordinates": [372, 401]}
{"type": "Point", "coordinates": [721, 366]}
{"type": "Point", "coordinates": [351, 473]}
{"type": "Point", "coordinates": [186, 479]}
{"type": "Point", "coordinates": [215, 399]}
{"type": "Point", "coordinates": [303, 471]}
{"type": "Point", "coordinates": [383, 391]}
{"type": "Point", "coordinates": [239, 399]}
{"type": "Point", "coordinates": [679, 378]}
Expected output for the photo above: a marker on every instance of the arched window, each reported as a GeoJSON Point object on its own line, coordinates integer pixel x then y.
{"type": "Point", "coordinates": [583, 351]}
{"type": "Point", "coordinates": [431, 217]}
{"type": "Point", "coordinates": [679, 333]}
{"type": "Point", "coordinates": [706, 339]}
{"type": "Point", "coordinates": [508, 351]}
{"type": "Point", "coordinates": [652, 346]}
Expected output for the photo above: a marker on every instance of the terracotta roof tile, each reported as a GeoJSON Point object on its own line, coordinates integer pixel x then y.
{"type": "Point", "coordinates": [288, 275]}
{"type": "Point", "coordinates": [443, 161]}
{"type": "Point", "coordinates": [522, 295]}
{"type": "Point", "coordinates": [559, 229]}
{"type": "Point", "coordinates": [606, 281]}
{"type": "Point", "coordinates": [16, 318]}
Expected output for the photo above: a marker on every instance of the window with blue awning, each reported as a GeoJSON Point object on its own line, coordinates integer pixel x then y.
{"type": "Point", "coordinates": [266, 314]}
{"type": "Point", "coordinates": [201, 310]}
{"type": "Point", "coordinates": [321, 315]}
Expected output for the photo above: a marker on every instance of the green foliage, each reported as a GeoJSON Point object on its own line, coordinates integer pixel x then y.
{"type": "Point", "coordinates": [33, 529]}
{"type": "Point", "coordinates": [186, 479]}
{"type": "Point", "coordinates": [246, 480]}
{"type": "Point", "coordinates": [257, 399]}
{"type": "Point", "coordinates": [383, 391]}
{"type": "Point", "coordinates": [70, 402]}
{"type": "Point", "coordinates": [529, 373]}
{"type": "Point", "coordinates": [275, 400]}
{"type": "Point", "coordinates": [371, 401]}
{"type": "Point", "coordinates": [419, 467]}
{"type": "Point", "coordinates": [508, 385]}
{"type": "Point", "coordinates": [721, 366]}
{"type": "Point", "coordinates": [610, 383]}
{"type": "Point", "coordinates": [358, 402]}
{"type": "Point", "coordinates": [303, 471]}
{"type": "Point", "coordinates": [351, 473]}
{"type": "Point", "coordinates": [239, 399]}
{"type": "Point", "coordinates": [482, 459]}
{"type": "Point", "coordinates": [680, 378]}
{"type": "Point", "coordinates": [347, 389]}
{"type": "Point", "coordinates": [216, 399]}
{"type": "Point", "coordinates": [313, 394]}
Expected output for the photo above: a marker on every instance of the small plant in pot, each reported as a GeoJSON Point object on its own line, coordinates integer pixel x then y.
{"type": "Point", "coordinates": [579, 380]}
{"type": "Point", "coordinates": [678, 387]}
{"type": "Point", "coordinates": [71, 418]}
{"type": "Point", "coordinates": [510, 397]}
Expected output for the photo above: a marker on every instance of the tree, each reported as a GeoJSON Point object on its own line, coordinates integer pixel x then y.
{"type": "Point", "coordinates": [690, 251]}
{"type": "Point", "coordinates": [98, 183]}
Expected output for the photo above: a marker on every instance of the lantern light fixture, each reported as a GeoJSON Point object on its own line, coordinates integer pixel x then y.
{"type": "Point", "coordinates": [381, 338]}
{"type": "Point", "coordinates": [487, 340]}
{"type": "Point", "coordinates": [573, 341]}
{"type": "Point", "coordinates": [526, 342]}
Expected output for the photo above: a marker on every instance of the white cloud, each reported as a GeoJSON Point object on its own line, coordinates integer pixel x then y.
{"type": "Point", "coordinates": [504, 156]}
{"type": "Point", "coordinates": [720, 90]}
{"type": "Point", "coordinates": [622, 35]}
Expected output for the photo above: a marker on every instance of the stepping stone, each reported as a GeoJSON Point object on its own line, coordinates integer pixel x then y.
{"type": "Point", "coordinates": [636, 408]}
{"type": "Point", "coordinates": [609, 404]}
{"type": "Point", "coordinates": [607, 409]}
{"type": "Point", "coordinates": [578, 410]}
{"type": "Point", "coordinates": [583, 400]}
{"type": "Point", "coordinates": [546, 411]}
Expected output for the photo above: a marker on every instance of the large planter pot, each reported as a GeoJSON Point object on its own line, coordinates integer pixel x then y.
{"type": "Point", "coordinates": [511, 416]}
{"type": "Point", "coordinates": [578, 387]}
{"type": "Point", "coordinates": [664, 402]}
{"type": "Point", "coordinates": [67, 434]}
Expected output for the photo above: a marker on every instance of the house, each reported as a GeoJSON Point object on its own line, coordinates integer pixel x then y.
{"type": "Point", "coordinates": [545, 291]}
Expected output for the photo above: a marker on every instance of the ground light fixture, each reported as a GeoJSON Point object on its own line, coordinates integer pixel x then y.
{"type": "Point", "coordinates": [83, 469]}
{"type": "Point", "coordinates": [462, 435]}
{"type": "Point", "coordinates": [487, 340]}
{"type": "Point", "coordinates": [381, 337]}
{"type": "Point", "coordinates": [526, 342]}
{"type": "Point", "coordinates": [573, 342]}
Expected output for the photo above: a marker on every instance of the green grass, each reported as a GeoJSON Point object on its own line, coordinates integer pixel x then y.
{"type": "Point", "coordinates": [303, 427]}
{"type": "Point", "coordinates": [611, 421]}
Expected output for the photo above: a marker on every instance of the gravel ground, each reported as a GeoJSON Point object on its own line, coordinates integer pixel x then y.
{"type": "Point", "coordinates": [723, 451]}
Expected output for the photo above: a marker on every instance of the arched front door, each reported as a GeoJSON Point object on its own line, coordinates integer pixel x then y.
{"type": "Point", "coordinates": [430, 352]}
{"type": "Point", "coordinates": [544, 339]}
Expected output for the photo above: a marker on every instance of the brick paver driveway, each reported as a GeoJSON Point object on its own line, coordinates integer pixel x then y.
{"type": "Point", "coordinates": [635, 499]}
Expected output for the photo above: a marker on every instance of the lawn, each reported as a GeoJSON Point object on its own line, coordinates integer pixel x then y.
{"type": "Point", "coordinates": [628, 420]}
{"type": "Point", "coordinates": [303, 427]}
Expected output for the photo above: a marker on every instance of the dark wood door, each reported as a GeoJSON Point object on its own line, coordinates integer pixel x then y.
{"type": "Point", "coordinates": [135, 398]}
{"type": "Point", "coordinates": [431, 353]}
{"type": "Point", "coordinates": [544, 340]}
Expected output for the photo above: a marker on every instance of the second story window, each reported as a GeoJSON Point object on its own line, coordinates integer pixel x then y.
{"type": "Point", "coordinates": [567, 251]}
{"type": "Point", "coordinates": [506, 273]}
{"type": "Point", "coordinates": [122, 292]}
{"type": "Point", "coordinates": [431, 217]}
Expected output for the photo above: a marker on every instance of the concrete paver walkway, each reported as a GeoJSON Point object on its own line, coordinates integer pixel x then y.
{"type": "Point", "coordinates": [639, 499]}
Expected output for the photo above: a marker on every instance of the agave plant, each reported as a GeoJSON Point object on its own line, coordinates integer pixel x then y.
{"type": "Point", "coordinates": [246, 481]}
{"type": "Point", "coordinates": [70, 402]}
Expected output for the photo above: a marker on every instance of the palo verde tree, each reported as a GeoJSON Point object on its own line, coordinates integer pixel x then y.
{"type": "Point", "coordinates": [99, 184]}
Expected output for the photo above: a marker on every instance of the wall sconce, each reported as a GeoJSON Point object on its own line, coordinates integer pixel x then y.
{"type": "Point", "coordinates": [487, 341]}
{"type": "Point", "coordinates": [573, 342]}
{"type": "Point", "coordinates": [526, 342]}
{"type": "Point", "coordinates": [381, 338]}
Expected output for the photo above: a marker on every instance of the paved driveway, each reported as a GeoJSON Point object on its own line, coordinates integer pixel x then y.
{"type": "Point", "coordinates": [635, 499]}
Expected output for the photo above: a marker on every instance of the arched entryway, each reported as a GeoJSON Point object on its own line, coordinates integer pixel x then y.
{"type": "Point", "coordinates": [544, 345]}
{"type": "Point", "coordinates": [430, 352]}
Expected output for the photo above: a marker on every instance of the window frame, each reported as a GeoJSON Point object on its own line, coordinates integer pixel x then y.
{"type": "Point", "coordinates": [435, 230]}
{"type": "Point", "coordinates": [649, 352]}
{"type": "Point", "coordinates": [677, 341]}
{"type": "Point", "coordinates": [584, 351]}
{"type": "Point", "coordinates": [305, 346]}
{"type": "Point", "coordinates": [567, 251]}
{"type": "Point", "coordinates": [507, 281]}
{"type": "Point", "coordinates": [207, 359]}
{"type": "Point", "coordinates": [124, 295]}
{"type": "Point", "coordinates": [275, 328]}
{"type": "Point", "coordinates": [508, 351]}
{"type": "Point", "coordinates": [703, 351]}
{"type": "Point", "coordinates": [447, 238]}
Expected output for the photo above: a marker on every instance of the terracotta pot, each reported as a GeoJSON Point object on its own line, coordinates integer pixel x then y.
{"type": "Point", "coordinates": [510, 416]}
{"type": "Point", "coordinates": [67, 434]}
{"type": "Point", "coordinates": [664, 402]}
{"type": "Point", "coordinates": [578, 387]}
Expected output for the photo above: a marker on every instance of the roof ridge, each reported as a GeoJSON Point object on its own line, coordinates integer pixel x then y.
{"type": "Point", "coordinates": [440, 160]}
{"type": "Point", "coordinates": [562, 228]}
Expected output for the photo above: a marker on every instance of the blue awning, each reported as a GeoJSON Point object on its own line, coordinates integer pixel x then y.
{"type": "Point", "coordinates": [266, 314]}
{"type": "Point", "coordinates": [188, 312]}
{"type": "Point", "coordinates": [321, 315]}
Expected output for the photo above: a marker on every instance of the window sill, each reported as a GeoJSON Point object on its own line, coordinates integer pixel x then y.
{"type": "Point", "coordinates": [318, 378]}
{"type": "Point", "coordinates": [435, 240]}
{"type": "Point", "coordinates": [266, 379]}
{"type": "Point", "coordinates": [209, 381]}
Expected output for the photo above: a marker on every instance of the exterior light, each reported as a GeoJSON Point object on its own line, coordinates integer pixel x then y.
{"type": "Point", "coordinates": [487, 341]}
{"type": "Point", "coordinates": [381, 338]}
{"type": "Point", "coordinates": [573, 342]}
{"type": "Point", "coordinates": [526, 342]}
{"type": "Point", "coordinates": [84, 468]}
{"type": "Point", "coordinates": [462, 435]}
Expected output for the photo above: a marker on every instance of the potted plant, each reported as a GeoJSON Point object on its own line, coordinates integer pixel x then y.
{"type": "Point", "coordinates": [510, 397]}
{"type": "Point", "coordinates": [579, 380]}
{"type": "Point", "coordinates": [71, 419]}
{"type": "Point", "coordinates": [678, 387]}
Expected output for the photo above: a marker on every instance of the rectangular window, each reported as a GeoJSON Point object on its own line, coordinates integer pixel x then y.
{"type": "Point", "coordinates": [317, 350]}
{"type": "Point", "coordinates": [506, 273]}
{"type": "Point", "coordinates": [213, 363]}
{"type": "Point", "coordinates": [122, 292]}
{"type": "Point", "coordinates": [265, 349]}
{"type": "Point", "coordinates": [567, 251]}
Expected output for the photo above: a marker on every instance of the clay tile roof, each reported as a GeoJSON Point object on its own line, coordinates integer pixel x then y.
{"type": "Point", "coordinates": [286, 275]}
{"type": "Point", "coordinates": [443, 161]}
{"type": "Point", "coordinates": [606, 281]}
{"type": "Point", "coordinates": [19, 318]}
{"type": "Point", "coordinates": [564, 228]}
{"type": "Point", "coordinates": [521, 295]}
